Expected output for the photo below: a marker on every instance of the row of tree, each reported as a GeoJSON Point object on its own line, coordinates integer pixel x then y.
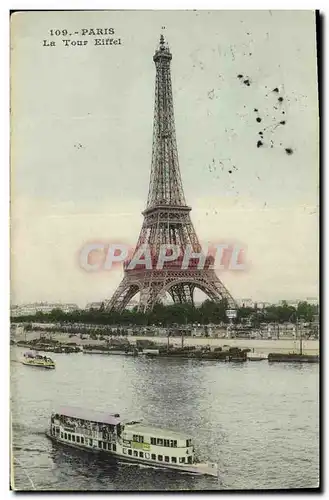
{"type": "Point", "coordinates": [178, 314]}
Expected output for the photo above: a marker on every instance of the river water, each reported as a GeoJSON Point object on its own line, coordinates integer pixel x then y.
{"type": "Point", "coordinates": [258, 421]}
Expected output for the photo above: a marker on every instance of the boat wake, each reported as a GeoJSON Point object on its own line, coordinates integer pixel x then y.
{"type": "Point", "coordinates": [29, 430]}
{"type": "Point", "coordinates": [25, 472]}
{"type": "Point", "coordinates": [23, 448]}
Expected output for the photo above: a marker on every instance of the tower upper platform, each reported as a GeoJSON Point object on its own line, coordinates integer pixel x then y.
{"type": "Point", "coordinates": [162, 51]}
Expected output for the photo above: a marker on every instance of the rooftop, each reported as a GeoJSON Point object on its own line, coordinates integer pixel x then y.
{"type": "Point", "coordinates": [156, 432]}
{"type": "Point", "coordinates": [92, 415]}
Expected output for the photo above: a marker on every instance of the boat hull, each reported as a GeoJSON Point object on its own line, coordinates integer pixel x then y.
{"type": "Point", "coordinates": [195, 469]}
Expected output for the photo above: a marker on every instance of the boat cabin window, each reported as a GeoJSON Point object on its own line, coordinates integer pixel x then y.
{"type": "Point", "coordinates": [166, 442]}
{"type": "Point", "coordinates": [188, 443]}
{"type": "Point", "coordinates": [82, 440]}
{"type": "Point", "coordinates": [73, 437]}
{"type": "Point", "coordinates": [99, 444]}
{"type": "Point", "coordinates": [130, 452]}
{"type": "Point", "coordinates": [104, 446]}
{"type": "Point", "coordinates": [182, 460]}
{"type": "Point", "coordinates": [69, 436]}
{"type": "Point", "coordinates": [160, 458]}
{"type": "Point", "coordinates": [153, 456]}
{"type": "Point", "coordinates": [174, 460]}
{"type": "Point", "coordinates": [90, 442]}
{"type": "Point", "coordinates": [175, 444]}
{"type": "Point", "coordinates": [166, 459]}
{"type": "Point", "coordinates": [153, 441]}
{"type": "Point", "coordinates": [160, 442]}
{"type": "Point", "coordinates": [135, 453]}
{"type": "Point", "coordinates": [65, 436]}
{"type": "Point", "coordinates": [141, 454]}
{"type": "Point", "coordinates": [147, 455]}
{"type": "Point", "coordinates": [114, 447]}
{"type": "Point", "coordinates": [189, 459]}
{"type": "Point", "coordinates": [61, 435]}
{"type": "Point", "coordinates": [137, 438]}
{"type": "Point", "coordinates": [78, 439]}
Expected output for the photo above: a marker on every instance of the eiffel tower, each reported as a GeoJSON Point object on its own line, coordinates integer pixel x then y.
{"type": "Point", "coordinates": [166, 218]}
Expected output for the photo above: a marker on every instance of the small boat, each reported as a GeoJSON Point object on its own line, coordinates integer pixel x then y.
{"type": "Point", "coordinates": [32, 359]}
{"type": "Point", "coordinates": [132, 442]}
{"type": "Point", "coordinates": [256, 356]}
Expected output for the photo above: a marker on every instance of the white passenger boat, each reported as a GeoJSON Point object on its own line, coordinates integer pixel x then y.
{"type": "Point", "coordinates": [32, 359]}
{"type": "Point", "coordinates": [128, 441]}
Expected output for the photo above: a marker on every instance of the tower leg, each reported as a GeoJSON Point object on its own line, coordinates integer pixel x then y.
{"type": "Point", "coordinates": [122, 296]}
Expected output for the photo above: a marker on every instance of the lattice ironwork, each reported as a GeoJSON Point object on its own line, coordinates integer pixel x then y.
{"type": "Point", "coordinates": [167, 216]}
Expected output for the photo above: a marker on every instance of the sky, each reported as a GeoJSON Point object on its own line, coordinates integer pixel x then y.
{"type": "Point", "coordinates": [81, 144]}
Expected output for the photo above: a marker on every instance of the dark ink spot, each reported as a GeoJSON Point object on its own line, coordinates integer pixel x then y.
{"type": "Point", "coordinates": [282, 122]}
{"type": "Point", "coordinates": [247, 82]}
{"type": "Point", "coordinates": [258, 119]}
{"type": "Point", "coordinates": [283, 112]}
{"type": "Point", "coordinates": [250, 53]}
{"type": "Point", "coordinates": [289, 151]}
{"type": "Point", "coordinates": [260, 133]}
{"type": "Point", "coordinates": [280, 99]}
{"type": "Point", "coordinates": [256, 110]}
{"type": "Point", "coordinates": [230, 171]}
{"type": "Point", "coordinates": [240, 76]}
{"type": "Point", "coordinates": [259, 144]}
{"type": "Point", "coordinates": [275, 90]}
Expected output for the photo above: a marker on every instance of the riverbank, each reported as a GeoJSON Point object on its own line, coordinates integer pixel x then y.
{"type": "Point", "coordinates": [261, 346]}
{"type": "Point", "coordinates": [256, 345]}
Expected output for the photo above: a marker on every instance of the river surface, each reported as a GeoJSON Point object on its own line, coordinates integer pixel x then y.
{"type": "Point", "coordinates": [258, 421]}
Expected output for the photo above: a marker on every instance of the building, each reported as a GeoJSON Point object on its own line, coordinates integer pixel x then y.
{"type": "Point", "coordinates": [246, 303]}
{"type": "Point", "coordinates": [93, 305]}
{"type": "Point", "coordinates": [44, 307]}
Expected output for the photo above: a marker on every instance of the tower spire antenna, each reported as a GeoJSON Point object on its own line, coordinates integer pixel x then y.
{"type": "Point", "coordinates": [167, 220]}
{"type": "Point", "coordinates": [163, 46]}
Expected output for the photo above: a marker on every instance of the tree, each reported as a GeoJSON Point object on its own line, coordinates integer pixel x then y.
{"type": "Point", "coordinates": [306, 311]}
